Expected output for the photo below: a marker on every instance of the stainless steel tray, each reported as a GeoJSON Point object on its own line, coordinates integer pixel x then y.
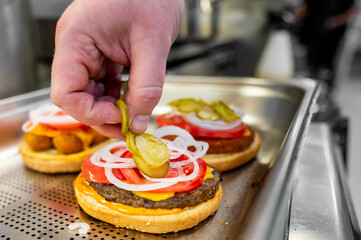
{"type": "Point", "coordinates": [40, 206]}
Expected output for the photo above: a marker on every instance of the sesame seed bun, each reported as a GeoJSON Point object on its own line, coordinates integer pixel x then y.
{"type": "Point", "coordinates": [93, 204]}
{"type": "Point", "coordinates": [51, 161]}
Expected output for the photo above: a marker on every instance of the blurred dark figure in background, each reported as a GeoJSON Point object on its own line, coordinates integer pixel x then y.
{"type": "Point", "coordinates": [322, 25]}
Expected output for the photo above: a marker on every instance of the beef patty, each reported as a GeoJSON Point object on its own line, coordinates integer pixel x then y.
{"type": "Point", "coordinates": [200, 194]}
{"type": "Point", "coordinates": [228, 145]}
{"type": "Point", "coordinates": [223, 145]}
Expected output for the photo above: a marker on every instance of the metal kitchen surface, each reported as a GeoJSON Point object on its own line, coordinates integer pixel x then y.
{"type": "Point", "coordinates": [41, 206]}
{"type": "Point", "coordinates": [321, 207]}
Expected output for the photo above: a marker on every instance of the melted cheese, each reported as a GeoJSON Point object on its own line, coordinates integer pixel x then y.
{"type": "Point", "coordinates": [82, 185]}
{"type": "Point", "coordinates": [247, 133]}
{"type": "Point", "coordinates": [163, 196]}
{"type": "Point", "coordinates": [155, 196]}
{"type": "Point", "coordinates": [85, 135]}
{"type": "Point", "coordinates": [209, 174]}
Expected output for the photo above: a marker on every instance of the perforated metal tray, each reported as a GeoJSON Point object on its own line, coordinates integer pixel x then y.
{"type": "Point", "coordinates": [41, 206]}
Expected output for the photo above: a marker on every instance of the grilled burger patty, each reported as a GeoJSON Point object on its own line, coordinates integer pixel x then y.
{"type": "Point", "coordinates": [194, 197]}
{"type": "Point", "coordinates": [228, 145]}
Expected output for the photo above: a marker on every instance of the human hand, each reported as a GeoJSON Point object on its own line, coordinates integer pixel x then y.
{"type": "Point", "coordinates": [94, 39]}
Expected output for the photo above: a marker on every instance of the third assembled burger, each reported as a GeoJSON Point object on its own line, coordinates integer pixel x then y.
{"type": "Point", "coordinates": [54, 142]}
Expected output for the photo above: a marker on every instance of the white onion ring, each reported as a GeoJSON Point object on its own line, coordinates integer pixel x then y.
{"type": "Point", "coordinates": [187, 140]}
{"type": "Point", "coordinates": [36, 116]}
{"type": "Point", "coordinates": [82, 227]}
{"type": "Point", "coordinates": [134, 187]}
{"type": "Point", "coordinates": [105, 158]}
{"type": "Point", "coordinates": [191, 176]}
{"type": "Point", "coordinates": [111, 160]}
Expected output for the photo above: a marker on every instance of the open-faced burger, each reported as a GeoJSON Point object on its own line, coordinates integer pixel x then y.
{"type": "Point", "coordinates": [113, 189]}
{"type": "Point", "coordinates": [231, 141]}
{"type": "Point", "coordinates": [54, 142]}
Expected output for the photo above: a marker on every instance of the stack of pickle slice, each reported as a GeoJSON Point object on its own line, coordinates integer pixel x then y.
{"type": "Point", "coordinates": [149, 153]}
{"type": "Point", "coordinates": [212, 112]}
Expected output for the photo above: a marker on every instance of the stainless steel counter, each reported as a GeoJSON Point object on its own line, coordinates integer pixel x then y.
{"type": "Point", "coordinates": [321, 207]}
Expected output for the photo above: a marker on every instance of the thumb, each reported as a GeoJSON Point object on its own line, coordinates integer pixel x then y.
{"type": "Point", "coordinates": [146, 80]}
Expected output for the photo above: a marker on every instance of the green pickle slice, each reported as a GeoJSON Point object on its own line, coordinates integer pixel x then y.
{"type": "Point", "coordinates": [130, 139]}
{"type": "Point", "coordinates": [123, 90]}
{"type": "Point", "coordinates": [150, 154]}
{"type": "Point", "coordinates": [204, 104]}
{"type": "Point", "coordinates": [150, 171]}
{"type": "Point", "coordinates": [125, 115]}
{"type": "Point", "coordinates": [189, 105]}
{"type": "Point", "coordinates": [208, 114]}
{"type": "Point", "coordinates": [154, 155]}
{"type": "Point", "coordinates": [205, 111]}
{"type": "Point", "coordinates": [227, 114]}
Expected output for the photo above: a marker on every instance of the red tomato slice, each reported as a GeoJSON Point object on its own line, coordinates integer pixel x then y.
{"type": "Point", "coordinates": [179, 121]}
{"type": "Point", "coordinates": [131, 176]}
{"type": "Point", "coordinates": [94, 173]}
{"type": "Point", "coordinates": [187, 185]}
{"type": "Point", "coordinates": [66, 126]}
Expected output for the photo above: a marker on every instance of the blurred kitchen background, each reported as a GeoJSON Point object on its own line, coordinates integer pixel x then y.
{"type": "Point", "coordinates": [248, 38]}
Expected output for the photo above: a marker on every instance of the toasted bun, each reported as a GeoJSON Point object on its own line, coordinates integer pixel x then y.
{"type": "Point", "coordinates": [227, 161]}
{"type": "Point", "coordinates": [174, 222]}
{"type": "Point", "coordinates": [51, 161]}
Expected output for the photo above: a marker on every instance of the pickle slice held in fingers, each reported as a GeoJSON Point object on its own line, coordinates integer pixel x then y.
{"type": "Point", "coordinates": [149, 153]}
{"type": "Point", "coordinates": [153, 150]}
{"type": "Point", "coordinates": [125, 115]}
{"type": "Point", "coordinates": [150, 171]}
{"type": "Point", "coordinates": [123, 90]}
{"type": "Point", "coordinates": [130, 140]}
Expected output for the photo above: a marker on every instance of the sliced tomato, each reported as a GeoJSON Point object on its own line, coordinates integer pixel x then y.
{"type": "Point", "coordinates": [96, 174]}
{"type": "Point", "coordinates": [187, 185]}
{"type": "Point", "coordinates": [179, 121]}
{"type": "Point", "coordinates": [131, 175]}
{"type": "Point", "coordinates": [67, 126]}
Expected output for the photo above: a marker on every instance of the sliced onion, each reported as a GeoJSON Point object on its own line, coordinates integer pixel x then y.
{"type": "Point", "coordinates": [191, 176]}
{"type": "Point", "coordinates": [110, 160]}
{"type": "Point", "coordinates": [29, 125]}
{"type": "Point", "coordinates": [187, 140]}
{"type": "Point", "coordinates": [173, 130]}
{"type": "Point", "coordinates": [37, 116]}
{"type": "Point", "coordinates": [134, 187]}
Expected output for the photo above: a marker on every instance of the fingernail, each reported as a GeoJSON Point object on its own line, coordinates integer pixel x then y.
{"type": "Point", "coordinates": [140, 122]}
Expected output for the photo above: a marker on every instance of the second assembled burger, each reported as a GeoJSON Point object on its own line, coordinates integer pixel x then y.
{"type": "Point", "coordinates": [111, 187]}
{"type": "Point", "coordinates": [231, 141]}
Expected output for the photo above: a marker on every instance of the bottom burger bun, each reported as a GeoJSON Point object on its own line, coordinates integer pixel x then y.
{"type": "Point", "coordinates": [227, 161]}
{"type": "Point", "coordinates": [51, 161]}
{"type": "Point", "coordinates": [137, 218]}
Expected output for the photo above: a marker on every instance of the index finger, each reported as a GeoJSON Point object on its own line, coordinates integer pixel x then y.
{"type": "Point", "coordinates": [74, 62]}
